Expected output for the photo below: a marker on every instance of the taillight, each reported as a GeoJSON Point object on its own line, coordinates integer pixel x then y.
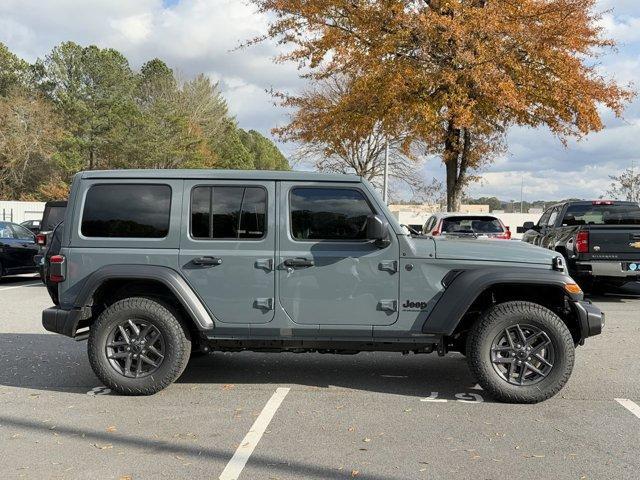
{"type": "Point", "coordinates": [602, 202]}
{"type": "Point", "coordinates": [41, 239]}
{"type": "Point", "coordinates": [57, 268]}
{"type": "Point", "coordinates": [582, 242]}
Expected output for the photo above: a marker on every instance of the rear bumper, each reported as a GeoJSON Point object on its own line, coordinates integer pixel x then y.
{"type": "Point", "coordinates": [590, 318]}
{"type": "Point", "coordinates": [604, 269]}
{"type": "Point", "coordinates": [58, 320]}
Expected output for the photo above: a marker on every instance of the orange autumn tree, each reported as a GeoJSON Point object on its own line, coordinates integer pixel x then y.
{"type": "Point", "coordinates": [451, 74]}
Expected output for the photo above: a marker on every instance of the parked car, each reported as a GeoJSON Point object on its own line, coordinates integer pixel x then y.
{"type": "Point", "coordinates": [600, 239]}
{"type": "Point", "coordinates": [17, 248]}
{"type": "Point", "coordinates": [473, 225]}
{"type": "Point", "coordinates": [154, 264]}
{"type": "Point", "coordinates": [33, 225]}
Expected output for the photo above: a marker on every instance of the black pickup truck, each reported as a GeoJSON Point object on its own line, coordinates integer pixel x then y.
{"type": "Point", "coordinates": [599, 239]}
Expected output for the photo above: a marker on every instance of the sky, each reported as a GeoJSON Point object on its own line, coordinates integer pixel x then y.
{"type": "Point", "coordinates": [195, 36]}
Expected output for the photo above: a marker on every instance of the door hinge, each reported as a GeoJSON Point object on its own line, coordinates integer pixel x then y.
{"type": "Point", "coordinates": [388, 305]}
{"type": "Point", "coordinates": [389, 266]}
{"type": "Point", "coordinates": [265, 263]}
{"type": "Point", "coordinates": [263, 303]}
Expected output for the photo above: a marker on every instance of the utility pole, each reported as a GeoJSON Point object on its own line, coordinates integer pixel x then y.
{"type": "Point", "coordinates": [385, 187]}
{"type": "Point", "coordinates": [521, 194]}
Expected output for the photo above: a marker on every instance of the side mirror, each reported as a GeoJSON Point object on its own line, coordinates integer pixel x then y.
{"type": "Point", "coordinates": [378, 230]}
{"type": "Point", "coordinates": [528, 226]}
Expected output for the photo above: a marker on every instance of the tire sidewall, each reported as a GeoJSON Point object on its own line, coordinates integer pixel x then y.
{"type": "Point", "coordinates": [156, 314]}
{"type": "Point", "coordinates": [534, 315]}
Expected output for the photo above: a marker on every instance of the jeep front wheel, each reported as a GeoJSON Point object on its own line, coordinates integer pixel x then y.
{"type": "Point", "coordinates": [520, 352]}
{"type": "Point", "coordinates": [138, 346]}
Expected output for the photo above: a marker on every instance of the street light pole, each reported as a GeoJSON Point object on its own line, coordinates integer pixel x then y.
{"type": "Point", "coordinates": [385, 186]}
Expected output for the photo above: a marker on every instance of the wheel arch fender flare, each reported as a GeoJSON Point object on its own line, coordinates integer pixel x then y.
{"type": "Point", "coordinates": [170, 278]}
{"type": "Point", "coordinates": [463, 287]}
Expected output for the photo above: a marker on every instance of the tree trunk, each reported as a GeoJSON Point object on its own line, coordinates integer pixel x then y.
{"type": "Point", "coordinates": [451, 158]}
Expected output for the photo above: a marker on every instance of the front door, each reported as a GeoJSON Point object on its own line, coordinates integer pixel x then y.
{"type": "Point", "coordinates": [227, 251]}
{"type": "Point", "coordinates": [329, 273]}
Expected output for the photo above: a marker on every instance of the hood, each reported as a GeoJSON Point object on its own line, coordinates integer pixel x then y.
{"type": "Point", "coordinates": [492, 250]}
{"type": "Point", "coordinates": [455, 248]}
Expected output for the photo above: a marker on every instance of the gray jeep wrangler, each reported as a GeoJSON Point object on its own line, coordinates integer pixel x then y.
{"type": "Point", "coordinates": [154, 265]}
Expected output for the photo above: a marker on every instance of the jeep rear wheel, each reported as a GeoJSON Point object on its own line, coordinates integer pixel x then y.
{"type": "Point", "coordinates": [520, 352]}
{"type": "Point", "coordinates": [138, 346]}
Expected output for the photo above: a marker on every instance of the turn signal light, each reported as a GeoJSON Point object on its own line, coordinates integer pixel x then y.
{"type": "Point", "coordinates": [41, 239]}
{"type": "Point", "coordinates": [573, 288]}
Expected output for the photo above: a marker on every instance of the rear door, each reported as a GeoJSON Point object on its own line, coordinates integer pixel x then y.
{"type": "Point", "coordinates": [227, 249]}
{"type": "Point", "coordinates": [329, 274]}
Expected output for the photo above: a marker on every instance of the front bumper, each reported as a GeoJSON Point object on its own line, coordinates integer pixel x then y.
{"type": "Point", "coordinates": [590, 318]}
{"type": "Point", "coordinates": [64, 322]}
{"type": "Point", "coordinates": [605, 269]}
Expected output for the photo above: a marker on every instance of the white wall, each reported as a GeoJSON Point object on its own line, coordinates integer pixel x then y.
{"type": "Point", "coordinates": [18, 212]}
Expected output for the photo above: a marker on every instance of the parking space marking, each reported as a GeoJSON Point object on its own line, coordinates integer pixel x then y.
{"type": "Point", "coordinates": [629, 405]}
{"type": "Point", "coordinates": [20, 286]}
{"type": "Point", "coordinates": [237, 463]}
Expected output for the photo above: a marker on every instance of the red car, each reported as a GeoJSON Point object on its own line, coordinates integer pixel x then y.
{"type": "Point", "coordinates": [466, 224]}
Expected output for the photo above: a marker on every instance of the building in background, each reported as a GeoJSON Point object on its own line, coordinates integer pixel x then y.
{"type": "Point", "coordinates": [18, 212]}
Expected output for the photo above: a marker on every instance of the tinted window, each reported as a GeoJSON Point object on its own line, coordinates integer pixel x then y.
{"type": "Point", "coordinates": [228, 212]}
{"type": "Point", "coordinates": [472, 225]}
{"type": "Point", "coordinates": [329, 214]}
{"type": "Point", "coordinates": [131, 210]}
{"type": "Point", "coordinates": [602, 215]}
{"type": "Point", "coordinates": [52, 216]}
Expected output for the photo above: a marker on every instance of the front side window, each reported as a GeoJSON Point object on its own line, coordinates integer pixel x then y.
{"type": "Point", "coordinates": [544, 219]}
{"type": "Point", "coordinates": [127, 211]}
{"type": "Point", "coordinates": [219, 213]}
{"type": "Point", "coordinates": [553, 217]}
{"type": "Point", "coordinates": [329, 214]}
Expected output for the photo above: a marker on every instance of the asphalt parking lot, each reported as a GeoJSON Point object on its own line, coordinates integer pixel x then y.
{"type": "Point", "coordinates": [292, 416]}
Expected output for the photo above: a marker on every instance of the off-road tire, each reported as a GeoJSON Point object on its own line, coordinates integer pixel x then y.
{"type": "Point", "coordinates": [166, 319]}
{"type": "Point", "coordinates": [498, 318]}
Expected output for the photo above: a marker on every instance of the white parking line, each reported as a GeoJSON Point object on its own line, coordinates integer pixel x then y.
{"type": "Point", "coordinates": [20, 286]}
{"type": "Point", "coordinates": [234, 468]}
{"type": "Point", "coordinates": [629, 405]}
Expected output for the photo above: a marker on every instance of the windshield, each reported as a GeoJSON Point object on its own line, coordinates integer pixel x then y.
{"type": "Point", "coordinates": [602, 214]}
{"type": "Point", "coordinates": [479, 225]}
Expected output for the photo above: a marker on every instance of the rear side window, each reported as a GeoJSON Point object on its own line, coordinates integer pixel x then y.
{"type": "Point", "coordinates": [127, 211]}
{"type": "Point", "coordinates": [231, 213]}
{"type": "Point", "coordinates": [329, 214]}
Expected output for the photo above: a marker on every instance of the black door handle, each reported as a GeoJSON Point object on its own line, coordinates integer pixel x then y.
{"type": "Point", "coordinates": [207, 261]}
{"type": "Point", "coordinates": [298, 262]}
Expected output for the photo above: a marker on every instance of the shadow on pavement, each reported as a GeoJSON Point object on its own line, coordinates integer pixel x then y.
{"type": "Point", "coordinates": [52, 362]}
{"type": "Point", "coordinates": [271, 464]}
{"type": "Point", "coordinates": [17, 280]}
